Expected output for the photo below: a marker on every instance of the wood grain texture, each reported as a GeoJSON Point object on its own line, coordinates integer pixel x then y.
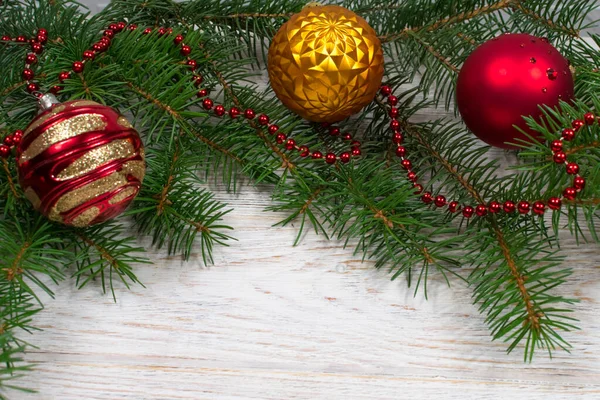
{"type": "Point", "coordinates": [273, 321]}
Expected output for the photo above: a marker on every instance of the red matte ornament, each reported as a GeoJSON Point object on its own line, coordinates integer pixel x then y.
{"type": "Point", "coordinates": [507, 78]}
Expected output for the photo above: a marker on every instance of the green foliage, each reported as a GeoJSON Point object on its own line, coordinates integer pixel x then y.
{"type": "Point", "coordinates": [513, 263]}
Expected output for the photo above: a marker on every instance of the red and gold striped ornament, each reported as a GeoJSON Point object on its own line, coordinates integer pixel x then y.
{"type": "Point", "coordinates": [80, 163]}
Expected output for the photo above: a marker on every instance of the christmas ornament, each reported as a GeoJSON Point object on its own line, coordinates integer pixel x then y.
{"type": "Point", "coordinates": [325, 63]}
{"type": "Point", "coordinates": [509, 77]}
{"type": "Point", "coordinates": [80, 163]}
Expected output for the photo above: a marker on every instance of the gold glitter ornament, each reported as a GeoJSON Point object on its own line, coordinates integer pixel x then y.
{"type": "Point", "coordinates": [326, 63]}
{"type": "Point", "coordinates": [80, 163]}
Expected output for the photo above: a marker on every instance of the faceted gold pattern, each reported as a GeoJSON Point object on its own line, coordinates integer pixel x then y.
{"type": "Point", "coordinates": [64, 130]}
{"type": "Point", "coordinates": [95, 158]}
{"type": "Point", "coordinates": [325, 63]}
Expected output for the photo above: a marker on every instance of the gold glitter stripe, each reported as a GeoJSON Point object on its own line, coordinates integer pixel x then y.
{"type": "Point", "coordinates": [64, 130]}
{"type": "Point", "coordinates": [135, 168]}
{"type": "Point", "coordinates": [97, 157]}
{"type": "Point", "coordinates": [86, 217]}
{"type": "Point", "coordinates": [83, 103]}
{"type": "Point", "coordinates": [38, 122]}
{"type": "Point", "coordinates": [124, 122]}
{"type": "Point", "coordinates": [122, 195]}
{"type": "Point", "coordinates": [33, 198]}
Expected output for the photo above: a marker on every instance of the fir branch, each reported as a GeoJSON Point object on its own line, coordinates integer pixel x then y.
{"type": "Point", "coordinates": [9, 179]}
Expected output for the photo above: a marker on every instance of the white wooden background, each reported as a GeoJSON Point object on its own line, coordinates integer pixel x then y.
{"type": "Point", "coordinates": [273, 321]}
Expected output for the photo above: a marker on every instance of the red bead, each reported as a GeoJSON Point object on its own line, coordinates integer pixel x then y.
{"type": "Point", "coordinates": [481, 210]}
{"type": "Point", "coordinates": [290, 144]}
{"type": "Point", "coordinates": [304, 151]}
{"type": "Point", "coordinates": [42, 39]}
{"type": "Point", "coordinates": [412, 176]}
{"type": "Point", "coordinates": [392, 100]}
{"type": "Point", "coordinates": [394, 113]}
{"type": "Point", "coordinates": [219, 110]}
{"type": "Point", "coordinates": [178, 39]}
{"type": "Point", "coordinates": [556, 146]}
{"type": "Point", "coordinates": [207, 104]}
{"type": "Point", "coordinates": [356, 152]}
{"type": "Point", "coordinates": [406, 164]}
{"type": "Point", "coordinates": [355, 143]}
{"type": "Point", "coordinates": [539, 208]}
{"type": "Point", "coordinates": [21, 39]}
{"type": "Point", "coordinates": [334, 131]}
{"type": "Point", "coordinates": [495, 207]}
{"type": "Point", "coordinates": [4, 150]}
{"type": "Point", "coordinates": [132, 27]}
{"type": "Point", "coordinates": [63, 76]}
{"type": "Point", "coordinates": [28, 74]}
{"type": "Point", "coordinates": [18, 133]}
{"type": "Point", "coordinates": [33, 87]}
{"type": "Point", "coordinates": [577, 124]}
{"type": "Point", "coordinates": [524, 207]}
{"type": "Point", "coordinates": [6, 38]}
{"type": "Point", "coordinates": [55, 89]}
{"type": "Point", "coordinates": [147, 31]}
{"type": "Point", "coordinates": [330, 158]}
{"type": "Point", "coordinates": [509, 206]}
{"type": "Point", "coordinates": [440, 201]}
{"type": "Point", "coordinates": [317, 155]}
{"type": "Point", "coordinates": [198, 79]}
{"type": "Point", "coordinates": [99, 47]}
{"type": "Point", "coordinates": [346, 136]}
{"type": "Point", "coordinates": [234, 112]}
{"type": "Point", "coordinates": [249, 113]}
{"type": "Point", "coordinates": [109, 33]}
{"type": "Point", "coordinates": [42, 31]}
{"type": "Point", "coordinates": [120, 26]}
{"type": "Point", "coordinates": [106, 40]}
{"type": "Point", "coordinates": [16, 139]}
{"type": "Point", "coordinates": [345, 157]}
{"type": "Point", "coordinates": [579, 183]}
{"type": "Point", "coordinates": [280, 138]}
{"type": "Point", "coordinates": [468, 211]}
{"type": "Point", "coordinates": [113, 27]}
{"type": "Point", "coordinates": [572, 168]}
{"type": "Point", "coordinates": [37, 48]}
{"type": "Point", "coordinates": [554, 203]}
{"type": "Point", "coordinates": [589, 118]}
{"type": "Point", "coordinates": [453, 206]}
{"type": "Point", "coordinates": [263, 119]}
{"type": "Point", "coordinates": [427, 198]}
{"type": "Point", "coordinates": [560, 157]}
{"type": "Point", "coordinates": [8, 140]}
{"type": "Point", "coordinates": [78, 66]}
{"type": "Point", "coordinates": [89, 54]}
{"type": "Point", "coordinates": [400, 151]}
{"type": "Point", "coordinates": [570, 193]}
{"type": "Point", "coordinates": [192, 64]}
{"type": "Point", "coordinates": [386, 90]}
{"type": "Point", "coordinates": [397, 138]}
{"type": "Point", "coordinates": [568, 134]}
{"type": "Point", "coordinates": [186, 50]}
{"type": "Point", "coordinates": [395, 125]}
{"type": "Point", "coordinates": [162, 31]}
{"type": "Point", "coordinates": [202, 93]}
{"type": "Point", "coordinates": [418, 187]}
{"type": "Point", "coordinates": [273, 129]}
{"type": "Point", "coordinates": [31, 58]}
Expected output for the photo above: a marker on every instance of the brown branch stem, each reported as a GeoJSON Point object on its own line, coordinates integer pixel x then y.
{"type": "Point", "coordinates": [11, 183]}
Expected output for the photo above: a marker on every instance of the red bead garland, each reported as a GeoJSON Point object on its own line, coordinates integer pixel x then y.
{"type": "Point", "coordinates": [494, 207]}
